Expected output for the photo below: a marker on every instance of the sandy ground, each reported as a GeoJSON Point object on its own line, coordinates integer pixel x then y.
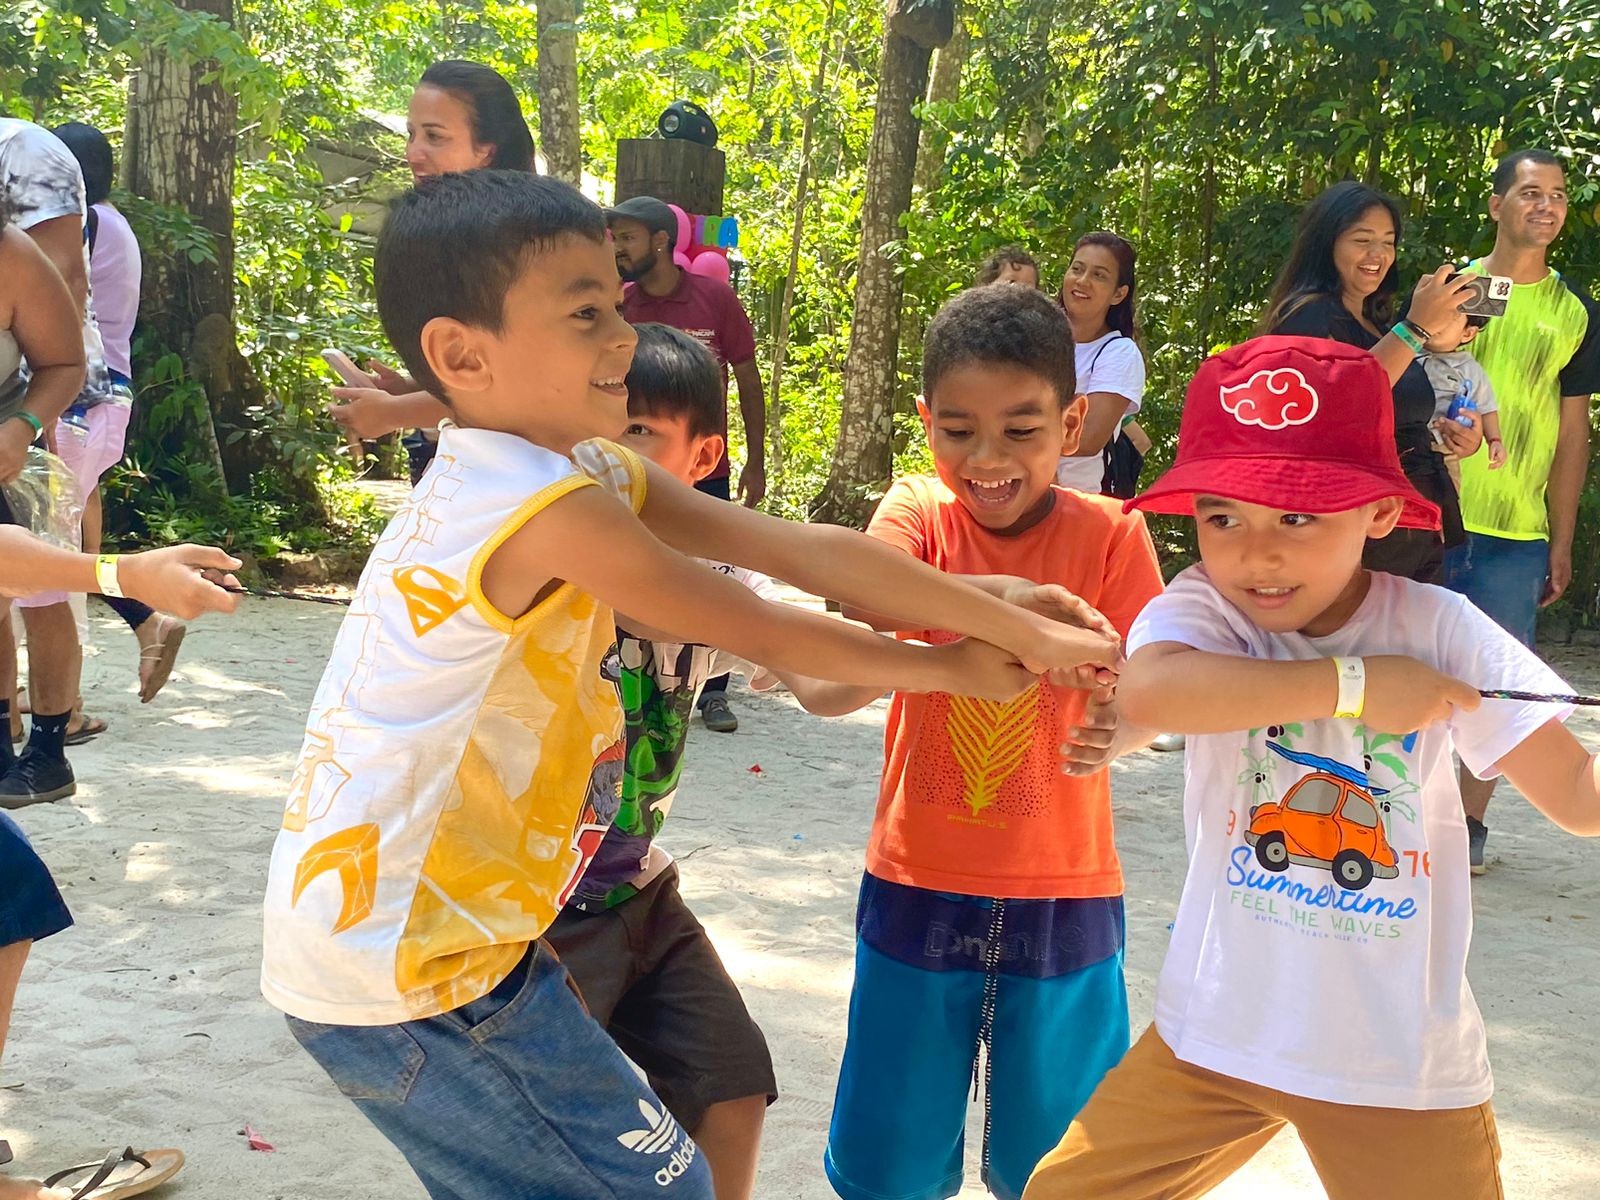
{"type": "Point", "coordinates": [144, 1024]}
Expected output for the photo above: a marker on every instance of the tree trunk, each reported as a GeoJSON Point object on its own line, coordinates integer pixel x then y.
{"type": "Point", "coordinates": [944, 87]}
{"type": "Point", "coordinates": [780, 341]}
{"type": "Point", "coordinates": [1208, 204]}
{"type": "Point", "coordinates": [862, 454]}
{"type": "Point", "coordinates": [180, 148]}
{"type": "Point", "coordinates": [559, 135]}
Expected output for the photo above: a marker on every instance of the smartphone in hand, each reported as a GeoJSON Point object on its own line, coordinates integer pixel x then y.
{"type": "Point", "coordinates": [346, 370]}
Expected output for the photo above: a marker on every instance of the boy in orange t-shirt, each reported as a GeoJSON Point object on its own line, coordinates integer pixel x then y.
{"type": "Point", "coordinates": [991, 910]}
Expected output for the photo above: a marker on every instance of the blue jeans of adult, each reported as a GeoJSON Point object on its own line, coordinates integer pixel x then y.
{"type": "Point", "coordinates": [519, 1095]}
{"type": "Point", "coordinates": [1503, 577]}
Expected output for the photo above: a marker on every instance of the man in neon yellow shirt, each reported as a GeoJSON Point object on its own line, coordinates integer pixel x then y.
{"type": "Point", "coordinates": [1543, 359]}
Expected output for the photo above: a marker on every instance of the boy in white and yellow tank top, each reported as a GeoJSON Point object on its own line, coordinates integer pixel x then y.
{"type": "Point", "coordinates": [443, 807]}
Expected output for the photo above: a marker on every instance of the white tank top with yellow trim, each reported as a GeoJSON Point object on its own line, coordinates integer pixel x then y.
{"type": "Point", "coordinates": [443, 806]}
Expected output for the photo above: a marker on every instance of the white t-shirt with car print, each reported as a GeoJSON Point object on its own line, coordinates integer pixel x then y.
{"type": "Point", "coordinates": [1320, 946]}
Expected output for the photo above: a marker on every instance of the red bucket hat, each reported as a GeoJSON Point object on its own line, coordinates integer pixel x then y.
{"type": "Point", "coordinates": [1294, 423]}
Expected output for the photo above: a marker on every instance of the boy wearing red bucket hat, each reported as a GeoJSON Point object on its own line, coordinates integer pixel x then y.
{"type": "Point", "coordinates": [1317, 970]}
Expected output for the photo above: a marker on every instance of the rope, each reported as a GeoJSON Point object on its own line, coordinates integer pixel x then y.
{"type": "Point", "coordinates": [1541, 698]}
{"type": "Point", "coordinates": [270, 594]}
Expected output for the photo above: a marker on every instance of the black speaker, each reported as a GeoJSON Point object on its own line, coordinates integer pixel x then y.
{"type": "Point", "coordinates": [687, 120]}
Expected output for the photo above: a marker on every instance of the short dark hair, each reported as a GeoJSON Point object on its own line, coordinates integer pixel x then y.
{"type": "Point", "coordinates": [93, 152]}
{"type": "Point", "coordinates": [1004, 325]}
{"type": "Point", "coordinates": [497, 118]}
{"type": "Point", "coordinates": [1505, 171]}
{"type": "Point", "coordinates": [454, 246]}
{"type": "Point", "coordinates": [675, 376]}
{"type": "Point", "coordinates": [1006, 256]}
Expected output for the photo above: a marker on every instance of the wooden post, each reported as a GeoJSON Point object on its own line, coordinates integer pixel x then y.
{"type": "Point", "coordinates": [679, 172]}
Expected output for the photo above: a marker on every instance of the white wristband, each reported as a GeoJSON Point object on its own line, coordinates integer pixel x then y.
{"type": "Point", "coordinates": [1352, 687]}
{"type": "Point", "coordinates": [105, 574]}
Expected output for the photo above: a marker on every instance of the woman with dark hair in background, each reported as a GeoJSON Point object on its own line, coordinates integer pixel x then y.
{"type": "Point", "coordinates": [463, 116]}
{"type": "Point", "coordinates": [1340, 282]}
{"type": "Point", "coordinates": [1098, 296]}
{"type": "Point", "coordinates": [91, 441]}
{"type": "Point", "coordinates": [1009, 264]}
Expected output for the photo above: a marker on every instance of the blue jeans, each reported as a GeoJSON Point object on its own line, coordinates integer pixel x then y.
{"type": "Point", "coordinates": [1504, 578]}
{"type": "Point", "coordinates": [517, 1096]}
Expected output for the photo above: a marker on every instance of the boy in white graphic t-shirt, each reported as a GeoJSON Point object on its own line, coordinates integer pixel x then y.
{"type": "Point", "coordinates": [1317, 971]}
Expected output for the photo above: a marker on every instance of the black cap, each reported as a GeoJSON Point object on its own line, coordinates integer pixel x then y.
{"type": "Point", "coordinates": [653, 214]}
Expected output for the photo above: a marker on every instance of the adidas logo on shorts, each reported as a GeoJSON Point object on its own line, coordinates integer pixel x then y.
{"type": "Point", "coordinates": [660, 1134]}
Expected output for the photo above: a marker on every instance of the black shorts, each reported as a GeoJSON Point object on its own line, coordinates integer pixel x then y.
{"type": "Point", "coordinates": [650, 975]}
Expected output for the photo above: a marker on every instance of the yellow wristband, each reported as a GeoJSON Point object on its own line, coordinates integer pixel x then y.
{"type": "Point", "coordinates": [1352, 688]}
{"type": "Point", "coordinates": [105, 574]}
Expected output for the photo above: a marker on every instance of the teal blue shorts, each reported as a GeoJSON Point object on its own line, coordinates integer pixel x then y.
{"type": "Point", "coordinates": [926, 964]}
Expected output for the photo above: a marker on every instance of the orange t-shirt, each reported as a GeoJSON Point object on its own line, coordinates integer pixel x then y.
{"type": "Point", "coordinates": [973, 799]}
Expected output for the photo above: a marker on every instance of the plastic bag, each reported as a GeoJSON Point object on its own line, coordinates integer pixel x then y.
{"type": "Point", "coordinates": [44, 500]}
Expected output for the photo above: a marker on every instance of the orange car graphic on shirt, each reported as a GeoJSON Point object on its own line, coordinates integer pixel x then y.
{"type": "Point", "coordinates": [1329, 819]}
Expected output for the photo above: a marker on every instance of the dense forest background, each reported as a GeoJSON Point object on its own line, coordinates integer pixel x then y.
{"type": "Point", "coordinates": [258, 140]}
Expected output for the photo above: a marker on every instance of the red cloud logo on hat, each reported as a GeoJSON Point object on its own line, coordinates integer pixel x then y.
{"type": "Point", "coordinates": [1272, 399]}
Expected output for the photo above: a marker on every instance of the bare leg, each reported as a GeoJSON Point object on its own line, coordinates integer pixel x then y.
{"type": "Point", "coordinates": [93, 520]}
{"type": "Point", "coordinates": [8, 668]}
{"type": "Point", "coordinates": [729, 1135]}
{"type": "Point", "coordinates": [1475, 794]}
{"type": "Point", "coordinates": [11, 959]}
{"type": "Point", "coordinates": [55, 660]}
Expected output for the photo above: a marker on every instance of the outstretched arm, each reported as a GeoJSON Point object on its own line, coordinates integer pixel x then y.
{"type": "Point", "coordinates": [1559, 777]}
{"type": "Point", "coordinates": [605, 551]}
{"type": "Point", "coordinates": [863, 574]}
{"type": "Point", "coordinates": [185, 580]}
{"type": "Point", "coordinates": [1178, 689]}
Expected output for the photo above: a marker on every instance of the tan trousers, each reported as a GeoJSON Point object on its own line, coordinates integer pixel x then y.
{"type": "Point", "coordinates": [1161, 1129]}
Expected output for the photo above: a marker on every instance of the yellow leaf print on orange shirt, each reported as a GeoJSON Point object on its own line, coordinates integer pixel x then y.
{"type": "Point", "coordinates": [353, 853]}
{"type": "Point", "coordinates": [989, 741]}
{"type": "Point", "coordinates": [431, 597]}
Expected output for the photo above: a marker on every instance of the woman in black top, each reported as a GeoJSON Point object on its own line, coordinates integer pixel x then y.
{"type": "Point", "coordinates": [1340, 283]}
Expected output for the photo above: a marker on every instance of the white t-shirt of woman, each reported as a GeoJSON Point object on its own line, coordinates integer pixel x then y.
{"type": "Point", "coordinates": [1108, 364]}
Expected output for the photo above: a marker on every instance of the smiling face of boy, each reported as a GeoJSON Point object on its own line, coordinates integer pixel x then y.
{"type": "Point", "coordinates": [554, 372]}
{"type": "Point", "coordinates": [996, 432]}
{"type": "Point", "coordinates": [1290, 571]}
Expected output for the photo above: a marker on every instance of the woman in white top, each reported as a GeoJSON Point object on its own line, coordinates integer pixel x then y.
{"type": "Point", "coordinates": [1098, 297]}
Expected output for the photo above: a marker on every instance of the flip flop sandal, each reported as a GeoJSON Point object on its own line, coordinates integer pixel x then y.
{"type": "Point", "coordinates": [119, 1175]}
{"type": "Point", "coordinates": [5, 1152]}
{"type": "Point", "coordinates": [165, 654]}
{"type": "Point", "coordinates": [91, 728]}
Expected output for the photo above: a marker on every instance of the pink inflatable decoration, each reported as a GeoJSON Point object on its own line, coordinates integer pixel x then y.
{"type": "Point", "coordinates": [685, 230]}
{"type": "Point", "coordinates": [712, 265]}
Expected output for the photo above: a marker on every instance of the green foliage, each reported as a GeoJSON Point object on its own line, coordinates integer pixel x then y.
{"type": "Point", "coordinates": [1196, 129]}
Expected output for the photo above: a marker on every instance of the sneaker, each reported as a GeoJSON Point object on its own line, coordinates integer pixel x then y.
{"type": "Point", "coordinates": [1477, 838]}
{"type": "Point", "coordinates": [36, 778]}
{"type": "Point", "coordinates": [1168, 743]}
{"type": "Point", "coordinates": [718, 716]}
